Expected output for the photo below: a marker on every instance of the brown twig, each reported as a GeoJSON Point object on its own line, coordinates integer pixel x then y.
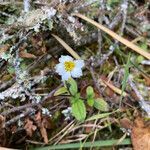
{"type": "Point", "coordinates": [19, 108]}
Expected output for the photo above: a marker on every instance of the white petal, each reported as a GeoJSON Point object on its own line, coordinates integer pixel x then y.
{"type": "Point", "coordinates": [76, 72]}
{"type": "Point", "coordinates": [63, 58]}
{"type": "Point", "coordinates": [79, 63]}
{"type": "Point", "coordinates": [60, 68]}
{"type": "Point", "coordinates": [66, 76]}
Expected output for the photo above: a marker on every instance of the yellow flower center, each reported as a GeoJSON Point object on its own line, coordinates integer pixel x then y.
{"type": "Point", "coordinates": [69, 65]}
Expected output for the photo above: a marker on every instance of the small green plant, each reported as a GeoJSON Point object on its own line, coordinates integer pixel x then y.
{"type": "Point", "coordinates": [101, 105]}
{"type": "Point", "coordinates": [90, 96]}
{"type": "Point", "coordinates": [98, 103]}
{"type": "Point", "coordinates": [112, 3]}
{"type": "Point", "coordinates": [77, 103]}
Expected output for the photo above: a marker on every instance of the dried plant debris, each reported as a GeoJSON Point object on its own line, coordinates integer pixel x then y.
{"type": "Point", "coordinates": [140, 135]}
{"type": "Point", "coordinates": [75, 72]}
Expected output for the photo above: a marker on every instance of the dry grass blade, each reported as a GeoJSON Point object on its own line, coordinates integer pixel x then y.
{"type": "Point", "coordinates": [3, 148]}
{"type": "Point", "coordinates": [67, 47]}
{"type": "Point", "coordinates": [27, 55]}
{"type": "Point", "coordinates": [115, 36]}
{"type": "Point", "coordinates": [115, 89]}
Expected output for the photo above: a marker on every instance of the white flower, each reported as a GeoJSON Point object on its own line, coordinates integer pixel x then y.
{"type": "Point", "coordinates": [68, 67]}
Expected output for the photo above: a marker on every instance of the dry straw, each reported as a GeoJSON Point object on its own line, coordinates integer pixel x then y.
{"type": "Point", "coordinates": [67, 47]}
{"type": "Point", "coordinates": [115, 36]}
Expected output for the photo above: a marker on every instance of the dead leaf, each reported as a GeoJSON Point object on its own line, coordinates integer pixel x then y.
{"type": "Point", "coordinates": [147, 79]}
{"type": "Point", "coordinates": [14, 129]}
{"type": "Point", "coordinates": [126, 123]}
{"type": "Point", "coordinates": [134, 96]}
{"type": "Point", "coordinates": [38, 118]}
{"type": "Point", "coordinates": [114, 88]}
{"type": "Point", "coordinates": [83, 85]}
{"type": "Point", "coordinates": [23, 47]}
{"type": "Point", "coordinates": [42, 124]}
{"type": "Point", "coordinates": [44, 133]}
{"type": "Point", "coordinates": [140, 135]}
{"type": "Point", "coordinates": [2, 122]}
{"type": "Point", "coordinates": [43, 49]}
{"type": "Point", "coordinates": [4, 48]}
{"type": "Point", "coordinates": [3, 138]}
{"type": "Point", "coordinates": [88, 129]}
{"type": "Point", "coordinates": [108, 90]}
{"type": "Point", "coordinates": [29, 127]}
{"type": "Point", "coordinates": [47, 122]}
{"type": "Point", "coordinates": [26, 55]}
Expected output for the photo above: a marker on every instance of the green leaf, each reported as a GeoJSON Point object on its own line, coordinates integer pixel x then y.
{"type": "Point", "coordinates": [86, 145]}
{"type": "Point", "coordinates": [98, 116]}
{"type": "Point", "coordinates": [90, 101]}
{"type": "Point", "coordinates": [60, 91]}
{"type": "Point", "coordinates": [75, 98]}
{"type": "Point", "coordinates": [126, 75]}
{"type": "Point", "coordinates": [5, 56]}
{"type": "Point", "coordinates": [139, 59]}
{"type": "Point", "coordinates": [23, 66]}
{"type": "Point", "coordinates": [72, 86]}
{"type": "Point", "coordinates": [50, 24]}
{"type": "Point", "coordinates": [101, 105]}
{"type": "Point", "coordinates": [90, 92]}
{"type": "Point", "coordinates": [79, 110]}
{"type": "Point", "coordinates": [72, 100]}
{"type": "Point", "coordinates": [144, 46]}
{"type": "Point", "coordinates": [11, 69]}
{"type": "Point", "coordinates": [112, 3]}
{"type": "Point", "coordinates": [102, 115]}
